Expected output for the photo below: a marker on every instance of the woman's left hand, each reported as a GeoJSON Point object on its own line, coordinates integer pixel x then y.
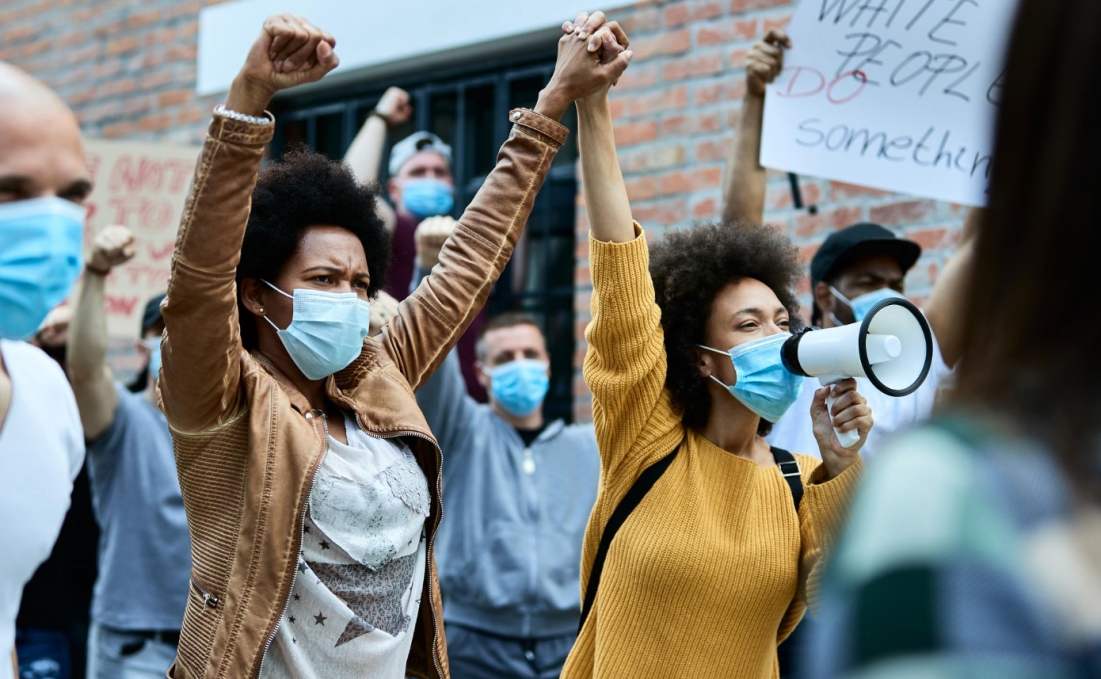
{"type": "Point", "coordinates": [850, 411]}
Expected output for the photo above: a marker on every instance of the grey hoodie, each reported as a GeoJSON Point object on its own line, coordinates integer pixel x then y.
{"type": "Point", "coordinates": [509, 547]}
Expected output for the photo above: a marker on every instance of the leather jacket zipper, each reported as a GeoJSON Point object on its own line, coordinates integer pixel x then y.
{"type": "Point", "coordinates": [209, 600]}
{"type": "Point", "coordinates": [318, 414]}
{"type": "Point", "coordinates": [431, 539]}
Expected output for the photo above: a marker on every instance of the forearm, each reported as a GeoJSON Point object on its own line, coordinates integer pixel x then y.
{"type": "Point", "coordinates": [744, 195]}
{"type": "Point", "coordinates": [91, 378]}
{"type": "Point", "coordinates": [364, 156]}
{"type": "Point", "coordinates": [605, 192]}
{"type": "Point", "coordinates": [87, 347]}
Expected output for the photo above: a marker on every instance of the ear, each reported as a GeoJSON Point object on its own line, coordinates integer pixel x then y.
{"type": "Point", "coordinates": [706, 365]}
{"type": "Point", "coordinates": [252, 295]}
{"type": "Point", "coordinates": [393, 188]}
{"type": "Point", "coordinates": [824, 298]}
{"type": "Point", "coordinates": [483, 376]}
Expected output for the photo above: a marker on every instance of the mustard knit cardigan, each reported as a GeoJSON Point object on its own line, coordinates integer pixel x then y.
{"type": "Point", "coordinates": [709, 574]}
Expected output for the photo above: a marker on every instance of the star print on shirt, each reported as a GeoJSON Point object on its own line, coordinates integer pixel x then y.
{"type": "Point", "coordinates": [293, 619]}
{"type": "Point", "coordinates": [324, 544]}
{"type": "Point", "coordinates": [297, 598]}
{"type": "Point", "coordinates": [305, 529]}
{"type": "Point", "coordinates": [319, 619]}
{"type": "Point", "coordinates": [301, 566]}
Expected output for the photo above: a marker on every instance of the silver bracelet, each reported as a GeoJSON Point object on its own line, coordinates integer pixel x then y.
{"type": "Point", "coordinates": [221, 110]}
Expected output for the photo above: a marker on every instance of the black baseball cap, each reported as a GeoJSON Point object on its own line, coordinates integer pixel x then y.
{"type": "Point", "coordinates": [152, 313]}
{"type": "Point", "coordinates": [851, 243]}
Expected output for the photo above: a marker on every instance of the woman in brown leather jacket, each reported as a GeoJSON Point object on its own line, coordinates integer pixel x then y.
{"type": "Point", "coordinates": [310, 478]}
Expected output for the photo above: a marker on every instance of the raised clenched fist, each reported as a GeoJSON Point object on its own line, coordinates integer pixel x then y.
{"type": "Point", "coordinates": [765, 61]}
{"type": "Point", "coordinates": [111, 247]}
{"type": "Point", "coordinates": [431, 234]}
{"type": "Point", "coordinates": [289, 51]}
{"type": "Point", "coordinates": [395, 106]}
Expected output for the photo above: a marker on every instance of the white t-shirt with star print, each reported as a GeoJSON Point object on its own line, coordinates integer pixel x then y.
{"type": "Point", "coordinates": [361, 571]}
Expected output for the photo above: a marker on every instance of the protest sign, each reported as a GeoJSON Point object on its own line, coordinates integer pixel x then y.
{"type": "Point", "coordinates": [142, 186]}
{"type": "Point", "coordinates": [893, 94]}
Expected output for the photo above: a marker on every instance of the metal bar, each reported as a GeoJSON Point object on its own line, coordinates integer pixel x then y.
{"type": "Point", "coordinates": [796, 194]}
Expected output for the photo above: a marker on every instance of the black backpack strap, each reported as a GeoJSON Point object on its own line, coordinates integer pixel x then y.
{"type": "Point", "coordinates": [789, 469]}
{"type": "Point", "coordinates": [638, 490]}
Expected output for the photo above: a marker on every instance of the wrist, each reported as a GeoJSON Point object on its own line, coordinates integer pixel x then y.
{"type": "Point", "coordinates": [379, 116]}
{"type": "Point", "coordinates": [552, 103]}
{"type": "Point", "coordinates": [101, 272]}
{"type": "Point", "coordinates": [248, 97]}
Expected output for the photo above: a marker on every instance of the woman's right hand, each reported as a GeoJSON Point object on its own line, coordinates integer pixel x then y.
{"type": "Point", "coordinates": [290, 51]}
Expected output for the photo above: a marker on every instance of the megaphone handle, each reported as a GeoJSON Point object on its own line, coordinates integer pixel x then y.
{"type": "Point", "coordinates": [847, 439]}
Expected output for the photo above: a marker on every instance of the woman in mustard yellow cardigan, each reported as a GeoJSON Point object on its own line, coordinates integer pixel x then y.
{"type": "Point", "coordinates": [711, 570]}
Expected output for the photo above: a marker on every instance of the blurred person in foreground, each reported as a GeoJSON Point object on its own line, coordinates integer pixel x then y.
{"type": "Point", "coordinates": [51, 631]}
{"type": "Point", "coordinates": [715, 564]}
{"type": "Point", "coordinates": [519, 491]}
{"type": "Point", "coordinates": [853, 269]}
{"type": "Point", "coordinates": [43, 183]}
{"type": "Point", "coordinates": [421, 186]}
{"type": "Point", "coordinates": [974, 547]}
{"type": "Point", "coordinates": [311, 480]}
{"type": "Point", "coordinates": [144, 551]}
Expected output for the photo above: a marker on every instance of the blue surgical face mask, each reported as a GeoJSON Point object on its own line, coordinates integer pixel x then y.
{"type": "Point", "coordinates": [41, 256]}
{"type": "Point", "coordinates": [520, 386]}
{"type": "Point", "coordinates": [153, 345]}
{"type": "Point", "coordinates": [326, 330]}
{"type": "Point", "coordinates": [863, 304]}
{"type": "Point", "coordinates": [763, 384]}
{"type": "Point", "coordinates": [427, 197]}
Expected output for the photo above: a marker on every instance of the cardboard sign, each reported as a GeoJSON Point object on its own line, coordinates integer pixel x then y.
{"type": "Point", "coordinates": [142, 186]}
{"type": "Point", "coordinates": [893, 94]}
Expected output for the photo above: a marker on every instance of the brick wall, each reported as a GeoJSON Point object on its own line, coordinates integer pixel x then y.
{"type": "Point", "coordinates": [675, 111]}
{"type": "Point", "coordinates": [127, 68]}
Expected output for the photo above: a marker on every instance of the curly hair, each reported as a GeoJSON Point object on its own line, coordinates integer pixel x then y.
{"type": "Point", "coordinates": [307, 189]}
{"type": "Point", "coordinates": [689, 268]}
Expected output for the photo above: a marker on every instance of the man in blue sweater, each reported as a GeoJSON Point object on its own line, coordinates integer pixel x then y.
{"type": "Point", "coordinates": [519, 492]}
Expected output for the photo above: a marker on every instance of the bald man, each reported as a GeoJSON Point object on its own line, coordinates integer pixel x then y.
{"type": "Point", "coordinates": [43, 181]}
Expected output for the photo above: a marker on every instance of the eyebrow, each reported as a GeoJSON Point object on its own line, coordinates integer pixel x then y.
{"type": "Point", "coordinates": [755, 311]}
{"type": "Point", "coordinates": [15, 182]}
{"type": "Point", "coordinates": [334, 269]}
{"type": "Point", "coordinates": [81, 187]}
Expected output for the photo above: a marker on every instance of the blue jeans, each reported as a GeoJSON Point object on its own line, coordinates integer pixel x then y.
{"type": "Point", "coordinates": [43, 654]}
{"type": "Point", "coordinates": [118, 654]}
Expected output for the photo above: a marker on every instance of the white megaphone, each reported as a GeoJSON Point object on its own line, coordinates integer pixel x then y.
{"type": "Point", "coordinates": [892, 347]}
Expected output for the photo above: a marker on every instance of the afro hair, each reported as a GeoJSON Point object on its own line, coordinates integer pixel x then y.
{"type": "Point", "coordinates": [307, 189]}
{"type": "Point", "coordinates": [689, 268]}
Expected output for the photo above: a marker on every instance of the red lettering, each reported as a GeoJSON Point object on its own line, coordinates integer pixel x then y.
{"type": "Point", "coordinates": [790, 91]}
{"type": "Point", "coordinates": [858, 76]}
{"type": "Point", "coordinates": [120, 306]}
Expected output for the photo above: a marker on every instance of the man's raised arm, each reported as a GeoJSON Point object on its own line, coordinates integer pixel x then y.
{"type": "Point", "coordinates": [364, 156]}
{"type": "Point", "coordinates": [91, 377]}
{"type": "Point", "coordinates": [744, 194]}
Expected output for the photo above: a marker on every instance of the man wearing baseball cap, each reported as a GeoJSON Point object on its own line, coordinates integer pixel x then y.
{"type": "Point", "coordinates": [420, 184]}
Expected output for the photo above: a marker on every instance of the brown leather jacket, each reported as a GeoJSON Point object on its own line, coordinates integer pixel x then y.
{"type": "Point", "coordinates": [247, 444]}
